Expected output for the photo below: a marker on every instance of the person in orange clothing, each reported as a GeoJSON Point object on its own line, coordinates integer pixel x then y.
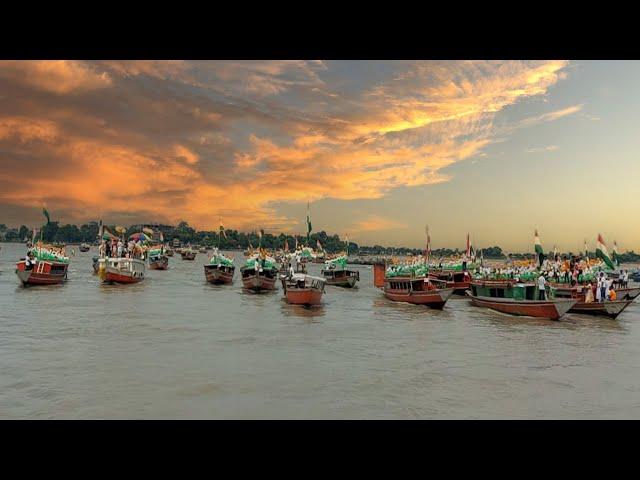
{"type": "Point", "coordinates": [612, 294]}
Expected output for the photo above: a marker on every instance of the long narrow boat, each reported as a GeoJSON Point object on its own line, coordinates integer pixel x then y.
{"type": "Point", "coordinates": [220, 269]}
{"type": "Point", "coordinates": [337, 274]}
{"type": "Point", "coordinates": [300, 289]}
{"type": "Point", "coordinates": [607, 308]}
{"type": "Point", "coordinates": [42, 272]}
{"type": "Point", "coordinates": [419, 290]}
{"type": "Point", "coordinates": [460, 281]}
{"type": "Point", "coordinates": [517, 299]}
{"type": "Point", "coordinates": [259, 274]}
{"type": "Point", "coordinates": [121, 270]}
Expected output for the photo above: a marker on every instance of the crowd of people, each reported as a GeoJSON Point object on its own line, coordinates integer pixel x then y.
{"type": "Point", "coordinates": [117, 248]}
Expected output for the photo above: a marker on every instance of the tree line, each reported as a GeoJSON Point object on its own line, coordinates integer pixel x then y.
{"type": "Point", "coordinates": [53, 232]}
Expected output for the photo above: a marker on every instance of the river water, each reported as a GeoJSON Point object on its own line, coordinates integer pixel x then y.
{"type": "Point", "coordinates": [174, 346]}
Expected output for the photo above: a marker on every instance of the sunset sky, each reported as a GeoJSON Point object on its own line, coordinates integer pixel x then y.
{"type": "Point", "coordinates": [494, 148]}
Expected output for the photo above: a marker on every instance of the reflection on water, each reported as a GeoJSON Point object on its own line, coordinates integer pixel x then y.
{"type": "Point", "coordinates": [175, 346]}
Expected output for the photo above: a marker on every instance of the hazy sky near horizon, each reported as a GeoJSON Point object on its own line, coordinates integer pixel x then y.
{"type": "Point", "coordinates": [494, 148]}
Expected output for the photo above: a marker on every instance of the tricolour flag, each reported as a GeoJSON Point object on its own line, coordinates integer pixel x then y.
{"type": "Point", "coordinates": [537, 243]}
{"type": "Point", "coordinates": [308, 223]}
{"type": "Point", "coordinates": [286, 245]}
{"type": "Point", "coordinates": [222, 232]}
{"type": "Point", "coordinates": [603, 253]}
{"type": "Point", "coordinates": [46, 214]}
{"type": "Point", "coordinates": [318, 245]}
{"type": "Point", "coordinates": [468, 246]}
{"type": "Point", "coordinates": [616, 257]}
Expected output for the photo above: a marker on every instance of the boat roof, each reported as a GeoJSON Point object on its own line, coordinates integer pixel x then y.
{"type": "Point", "coordinates": [303, 276]}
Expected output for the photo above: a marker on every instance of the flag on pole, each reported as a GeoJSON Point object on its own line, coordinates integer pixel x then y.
{"type": "Point", "coordinates": [318, 245]}
{"type": "Point", "coordinates": [586, 250]}
{"type": "Point", "coordinates": [46, 214]}
{"type": "Point", "coordinates": [308, 223]}
{"type": "Point", "coordinates": [286, 245]}
{"type": "Point", "coordinates": [616, 257]}
{"type": "Point", "coordinates": [346, 238]}
{"type": "Point", "coordinates": [222, 232]}
{"type": "Point", "coordinates": [538, 247]}
{"type": "Point", "coordinates": [296, 242]}
{"type": "Point", "coordinates": [468, 246]}
{"type": "Point", "coordinates": [161, 237]}
{"type": "Point", "coordinates": [603, 253]}
{"type": "Point", "coordinates": [427, 251]}
{"type": "Point", "coordinates": [33, 237]}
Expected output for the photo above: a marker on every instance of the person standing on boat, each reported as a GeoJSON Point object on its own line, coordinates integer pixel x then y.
{"type": "Point", "coordinates": [589, 295]}
{"type": "Point", "coordinates": [542, 292]}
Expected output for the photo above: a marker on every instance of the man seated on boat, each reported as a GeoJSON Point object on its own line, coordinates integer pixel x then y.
{"type": "Point", "coordinates": [611, 294]}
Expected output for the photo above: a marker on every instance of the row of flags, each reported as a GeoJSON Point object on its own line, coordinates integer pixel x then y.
{"type": "Point", "coordinates": [601, 251]}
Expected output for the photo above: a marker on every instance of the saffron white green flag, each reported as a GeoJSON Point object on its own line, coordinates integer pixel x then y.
{"type": "Point", "coordinates": [603, 253]}
{"type": "Point", "coordinates": [538, 245]}
{"type": "Point", "coordinates": [616, 256]}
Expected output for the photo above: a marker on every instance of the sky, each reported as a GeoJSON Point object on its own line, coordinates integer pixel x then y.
{"type": "Point", "coordinates": [380, 149]}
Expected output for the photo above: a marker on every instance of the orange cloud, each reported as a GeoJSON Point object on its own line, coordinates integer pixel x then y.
{"type": "Point", "coordinates": [238, 138]}
{"type": "Point", "coordinates": [55, 76]}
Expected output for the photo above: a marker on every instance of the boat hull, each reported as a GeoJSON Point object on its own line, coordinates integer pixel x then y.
{"type": "Point", "coordinates": [628, 293]}
{"type": "Point", "coordinates": [258, 283]}
{"type": "Point", "coordinates": [160, 264]}
{"type": "Point", "coordinates": [112, 276]}
{"type": "Point", "coordinates": [551, 309]}
{"type": "Point", "coordinates": [188, 256]}
{"type": "Point", "coordinates": [606, 309]}
{"type": "Point", "coordinates": [216, 276]}
{"type": "Point", "coordinates": [303, 296]}
{"type": "Point", "coordinates": [432, 298]}
{"type": "Point", "coordinates": [43, 273]}
{"type": "Point", "coordinates": [346, 281]}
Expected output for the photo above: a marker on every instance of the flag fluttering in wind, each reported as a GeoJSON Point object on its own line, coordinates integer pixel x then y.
{"type": "Point", "coordinates": [161, 237]}
{"type": "Point", "coordinates": [538, 247]}
{"type": "Point", "coordinates": [308, 223]}
{"type": "Point", "coordinates": [586, 249]}
{"type": "Point", "coordinates": [603, 253]}
{"type": "Point", "coordinates": [46, 214]}
{"type": "Point", "coordinates": [286, 245]}
{"type": "Point", "coordinates": [616, 257]}
{"type": "Point", "coordinates": [468, 253]}
{"type": "Point", "coordinates": [427, 251]}
{"type": "Point", "coordinates": [318, 245]}
{"type": "Point", "coordinates": [222, 232]}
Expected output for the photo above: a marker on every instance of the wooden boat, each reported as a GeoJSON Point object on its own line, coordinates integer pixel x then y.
{"type": "Point", "coordinates": [203, 250]}
{"type": "Point", "coordinates": [158, 262]}
{"type": "Point", "coordinates": [121, 270]}
{"type": "Point", "coordinates": [629, 293]}
{"type": "Point", "coordinates": [259, 275]}
{"type": "Point", "coordinates": [415, 290]}
{"type": "Point", "coordinates": [337, 274]}
{"type": "Point", "coordinates": [43, 272]}
{"type": "Point", "coordinates": [341, 277]}
{"type": "Point", "coordinates": [168, 252]}
{"type": "Point", "coordinates": [219, 270]}
{"type": "Point", "coordinates": [300, 289]}
{"type": "Point", "coordinates": [85, 247]}
{"type": "Point", "coordinates": [188, 254]}
{"type": "Point", "coordinates": [517, 299]}
{"type": "Point", "coordinates": [607, 308]}
{"type": "Point", "coordinates": [460, 281]}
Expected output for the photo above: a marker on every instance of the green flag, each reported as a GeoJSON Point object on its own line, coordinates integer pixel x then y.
{"type": "Point", "coordinates": [46, 214]}
{"type": "Point", "coordinates": [308, 221]}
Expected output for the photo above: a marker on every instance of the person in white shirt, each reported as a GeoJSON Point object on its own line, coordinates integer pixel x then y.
{"type": "Point", "coordinates": [542, 293]}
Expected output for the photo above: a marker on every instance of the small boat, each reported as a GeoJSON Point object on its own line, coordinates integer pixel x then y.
{"type": "Point", "coordinates": [158, 262]}
{"type": "Point", "coordinates": [203, 250]}
{"type": "Point", "coordinates": [220, 269]}
{"type": "Point", "coordinates": [259, 274]}
{"type": "Point", "coordinates": [338, 275]}
{"type": "Point", "coordinates": [121, 270]}
{"type": "Point", "coordinates": [85, 247]}
{"type": "Point", "coordinates": [188, 254]}
{"type": "Point", "coordinates": [168, 252]}
{"type": "Point", "coordinates": [415, 290]}
{"type": "Point", "coordinates": [42, 271]}
{"type": "Point", "coordinates": [460, 281]}
{"type": "Point", "coordinates": [300, 289]}
{"type": "Point", "coordinates": [517, 299]}
{"type": "Point", "coordinates": [607, 308]}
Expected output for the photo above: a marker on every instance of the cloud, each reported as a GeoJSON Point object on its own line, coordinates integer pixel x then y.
{"type": "Point", "coordinates": [376, 223]}
{"type": "Point", "coordinates": [174, 140]}
{"type": "Point", "coordinates": [549, 148]}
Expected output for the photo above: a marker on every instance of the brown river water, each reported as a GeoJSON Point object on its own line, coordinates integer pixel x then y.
{"type": "Point", "coordinates": [174, 346]}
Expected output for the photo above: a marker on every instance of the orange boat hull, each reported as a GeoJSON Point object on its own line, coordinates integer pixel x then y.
{"type": "Point", "coordinates": [122, 278]}
{"type": "Point", "coordinates": [552, 310]}
{"type": "Point", "coordinates": [304, 296]}
{"type": "Point", "coordinates": [216, 276]}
